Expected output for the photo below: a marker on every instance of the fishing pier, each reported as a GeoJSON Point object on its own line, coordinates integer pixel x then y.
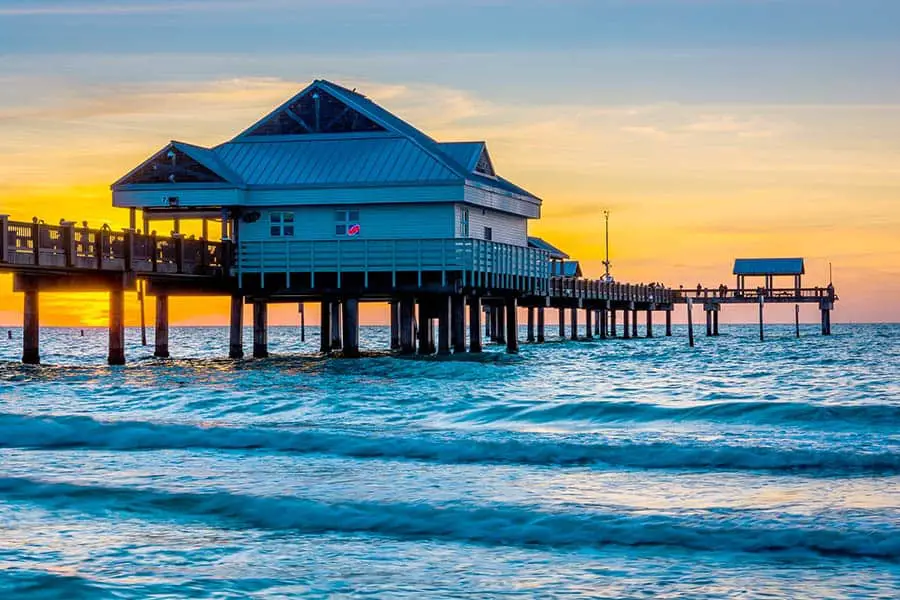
{"type": "Point", "coordinates": [331, 199]}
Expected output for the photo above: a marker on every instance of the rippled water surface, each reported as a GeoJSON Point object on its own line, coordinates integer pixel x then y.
{"type": "Point", "coordinates": [613, 469]}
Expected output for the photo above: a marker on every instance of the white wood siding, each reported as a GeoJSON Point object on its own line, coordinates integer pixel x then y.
{"type": "Point", "coordinates": [507, 228]}
{"type": "Point", "coordinates": [377, 222]}
{"type": "Point", "coordinates": [502, 202]}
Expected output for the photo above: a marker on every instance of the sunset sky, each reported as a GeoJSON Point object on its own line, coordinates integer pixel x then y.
{"type": "Point", "coordinates": [710, 128]}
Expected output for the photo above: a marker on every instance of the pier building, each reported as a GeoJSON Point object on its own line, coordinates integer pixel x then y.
{"type": "Point", "coordinates": [329, 199]}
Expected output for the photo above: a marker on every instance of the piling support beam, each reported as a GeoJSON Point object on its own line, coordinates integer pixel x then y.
{"type": "Point", "coordinates": [634, 319]}
{"type": "Point", "coordinates": [612, 323]}
{"type": "Point", "coordinates": [260, 329]}
{"type": "Point", "coordinates": [649, 322]}
{"type": "Point", "coordinates": [426, 340]}
{"type": "Point", "coordinates": [336, 325]}
{"type": "Point", "coordinates": [31, 354]}
{"type": "Point", "coordinates": [797, 320]}
{"type": "Point", "coordinates": [325, 327]}
{"type": "Point", "coordinates": [116, 326]}
{"type": "Point", "coordinates": [458, 322]}
{"type": "Point", "coordinates": [588, 324]}
{"type": "Point", "coordinates": [708, 311]}
{"type": "Point", "coordinates": [395, 324]}
{"type": "Point", "coordinates": [715, 319]}
{"type": "Point", "coordinates": [602, 323]}
{"type": "Point", "coordinates": [626, 330]}
{"type": "Point", "coordinates": [562, 322]}
{"type": "Point", "coordinates": [669, 322]}
{"type": "Point", "coordinates": [350, 321]}
{"type": "Point", "coordinates": [540, 325]}
{"type": "Point", "coordinates": [162, 327]}
{"type": "Point", "coordinates": [443, 318]}
{"type": "Point", "coordinates": [236, 329]}
{"type": "Point", "coordinates": [512, 327]}
{"type": "Point", "coordinates": [530, 332]}
{"type": "Point", "coordinates": [573, 323]}
{"type": "Point", "coordinates": [597, 322]}
{"type": "Point", "coordinates": [762, 303]}
{"type": "Point", "coordinates": [690, 320]}
{"type": "Point", "coordinates": [501, 324]}
{"type": "Point", "coordinates": [407, 311]}
{"type": "Point", "coordinates": [474, 324]}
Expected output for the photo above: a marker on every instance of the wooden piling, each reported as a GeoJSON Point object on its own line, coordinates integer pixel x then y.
{"type": "Point", "coordinates": [669, 322]}
{"type": "Point", "coordinates": [260, 329]}
{"type": "Point", "coordinates": [236, 330]}
{"type": "Point", "coordinates": [761, 305]}
{"type": "Point", "coordinates": [512, 326]}
{"type": "Point", "coordinates": [31, 354]}
{"type": "Point", "coordinates": [302, 309]}
{"type": "Point", "coordinates": [612, 323]}
{"type": "Point", "coordinates": [325, 327]}
{"type": "Point", "coordinates": [634, 320]}
{"type": "Point", "coordinates": [708, 313]}
{"type": "Point", "coordinates": [690, 320]}
{"type": "Point", "coordinates": [715, 318]}
{"type": "Point", "coordinates": [350, 322]}
{"type": "Point", "coordinates": [501, 324]}
{"type": "Point", "coordinates": [540, 325]}
{"type": "Point", "coordinates": [458, 322]}
{"type": "Point", "coordinates": [597, 322]}
{"type": "Point", "coordinates": [573, 323]}
{"type": "Point", "coordinates": [407, 314]}
{"type": "Point", "coordinates": [474, 324]}
{"type": "Point", "coordinates": [395, 324]}
{"type": "Point", "coordinates": [626, 331]}
{"type": "Point", "coordinates": [797, 320]}
{"type": "Point", "coordinates": [588, 324]}
{"type": "Point", "coordinates": [443, 318]}
{"type": "Point", "coordinates": [602, 321]}
{"type": "Point", "coordinates": [162, 327]}
{"type": "Point", "coordinates": [425, 332]}
{"type": "Point", "coordinates": [336, 325]}
{"type": "Point", "coordinates": [562, 322]}
{"type": "Point", "coordinates": [140, 292]}
{"type": "Point", "coordinates": [649, 323]}
{"type": "Point", "coordinates": [530, 332]}
{"type": "Point", "coordinates": [116, 326]}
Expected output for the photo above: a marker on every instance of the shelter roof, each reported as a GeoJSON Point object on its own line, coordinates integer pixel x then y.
{"type": "Point", "coordinates": [328, 135]}
{"type": "Point", "coordinates": [769, 266]}
{"type": "Point", "coordinates": [566, 268]}
{"type": "Point", "coordinates": [541, 244]}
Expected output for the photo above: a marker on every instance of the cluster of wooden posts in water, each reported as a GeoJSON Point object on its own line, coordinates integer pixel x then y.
{"type": "Point", "coordinates": [70, 258]}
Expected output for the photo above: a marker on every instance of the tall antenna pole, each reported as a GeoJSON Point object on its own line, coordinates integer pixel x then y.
{"type": "Point", "coordinates": [830, 280]}
{"type": "Point", "coordinates": [606, 261]}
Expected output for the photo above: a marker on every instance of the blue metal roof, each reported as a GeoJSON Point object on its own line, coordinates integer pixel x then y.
{"type": "Point", "coordinates": [540, 244]}
{"type": "Point", "coordinates": [769, 266]}
{"type": "Point", "coordinates": [566, 268]}
{"type": "Point", "coordinates": [399, 155]}
{"type": "Point", "coordinates": [333, 160]}
{"type": "Point", "coordinates": [464, 153]}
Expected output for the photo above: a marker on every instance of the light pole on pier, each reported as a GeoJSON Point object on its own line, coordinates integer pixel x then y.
{"type": "Point", "coordinates": [606, 262]}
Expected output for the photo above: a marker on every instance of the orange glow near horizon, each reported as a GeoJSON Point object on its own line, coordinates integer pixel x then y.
{"type": "Point", "coordinates": [690, 187]}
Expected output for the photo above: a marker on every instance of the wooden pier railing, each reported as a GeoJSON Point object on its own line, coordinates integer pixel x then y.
{"type": "Point", "coordinates": [67, 246]}
{"type": "Point", "coordinates": [592, 289]}
{"type": "Point", "coordinates": [724, 295]}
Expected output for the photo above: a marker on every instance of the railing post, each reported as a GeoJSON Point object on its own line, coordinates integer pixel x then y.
{"type": "Point", "coordinates": [68, 239]}
{"type": "Point", "coordinates": [98, 248]}
{"type": "Point", "coordinates": [179, 252]}
{"type": "Point", "coordinates": [129, 249]}
{"type": "Point", "coordinates": [36, 241]}
{"type": "Point", "coordinates": [154, 258]}
{"type": "Point", "coordinates": [4, 238]}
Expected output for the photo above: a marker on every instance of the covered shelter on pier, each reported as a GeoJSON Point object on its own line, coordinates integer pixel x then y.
{"type": "Point", "coordinates": [769, 269]}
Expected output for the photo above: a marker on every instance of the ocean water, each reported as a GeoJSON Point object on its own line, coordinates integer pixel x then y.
{"type": "Point", "coordinates": [606, 469]}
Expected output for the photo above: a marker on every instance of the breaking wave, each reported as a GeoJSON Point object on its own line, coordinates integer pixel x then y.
{"type": "Point", "coordinates": [18, 431]}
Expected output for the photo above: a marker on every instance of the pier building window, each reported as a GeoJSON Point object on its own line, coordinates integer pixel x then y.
{"type": "Point", "coordinates": [464, 222]}
{"type": "Point", "coordinates": [281, 224]}
{"type": "Point", "coordinates": [488, 233]}
{"type": "Point", "coordinates": [346, 222]}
